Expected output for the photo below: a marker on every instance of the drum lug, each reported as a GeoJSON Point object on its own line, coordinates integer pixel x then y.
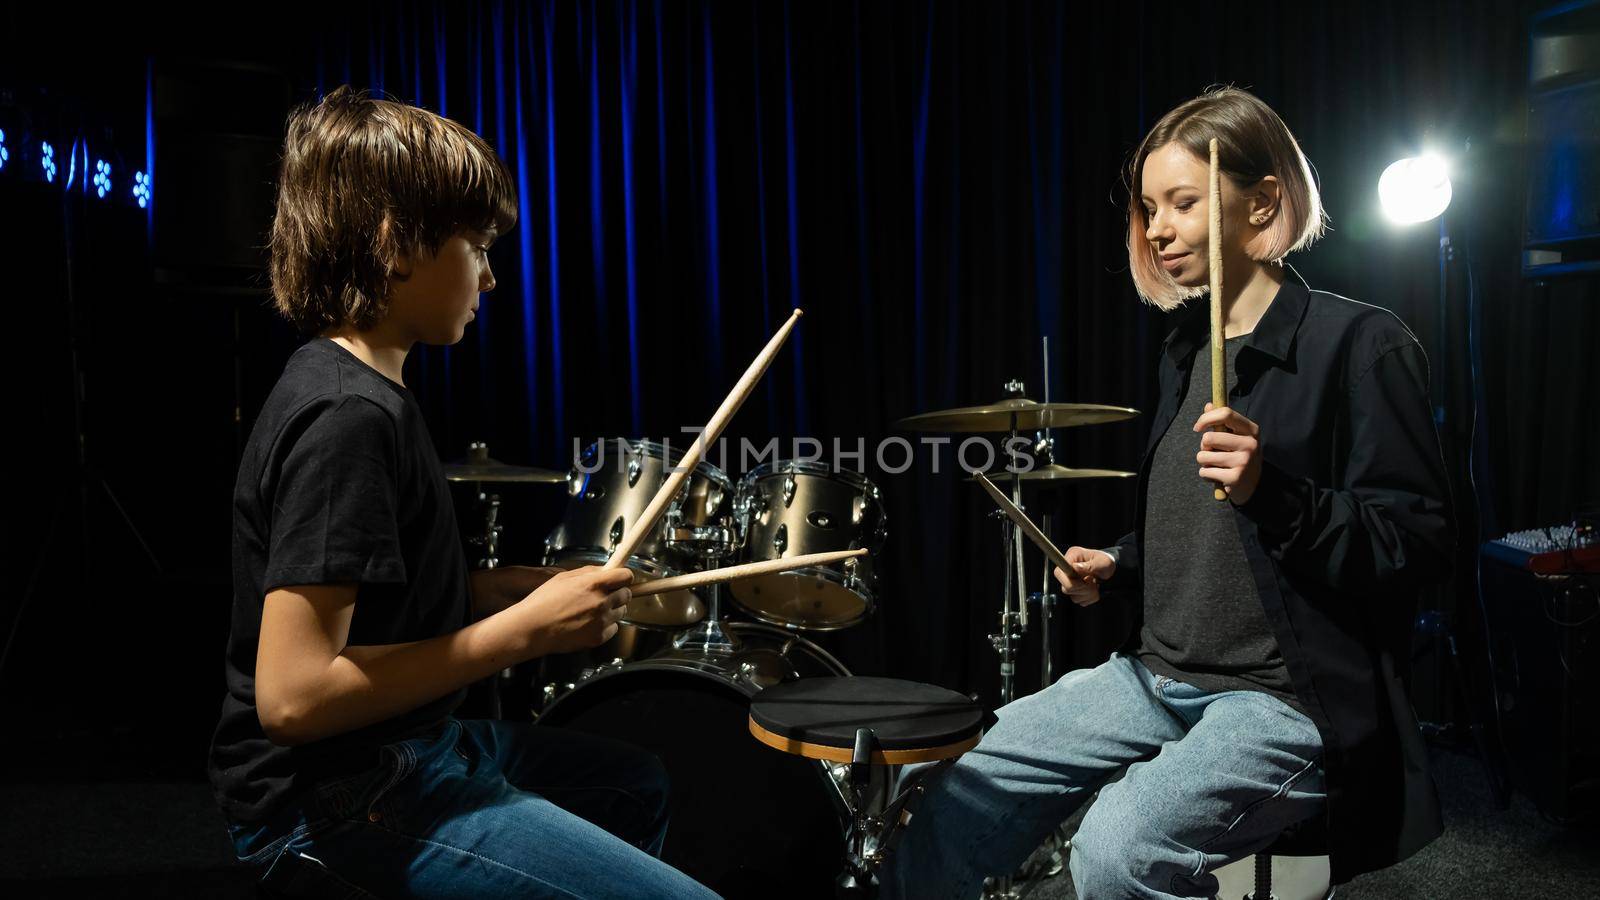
{"type": "Point", "coordinates": [780, 541]}
{"type": "Point", "coordinates": [634, 468]}
{"type": "Point", "coordinates": [616, 533]}
{"type": "Point", "coordinates": [788, 490]}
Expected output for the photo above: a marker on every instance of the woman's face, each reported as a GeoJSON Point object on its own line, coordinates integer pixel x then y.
{"type": "Point", "coordinates": [1173, 191]}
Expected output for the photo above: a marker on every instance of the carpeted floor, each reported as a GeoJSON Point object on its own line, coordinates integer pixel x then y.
{"type": "Point", "coordinates": [165, 839]}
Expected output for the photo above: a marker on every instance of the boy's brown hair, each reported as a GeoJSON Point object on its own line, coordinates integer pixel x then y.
{"type": "Point", "coordinates": [363, 180]}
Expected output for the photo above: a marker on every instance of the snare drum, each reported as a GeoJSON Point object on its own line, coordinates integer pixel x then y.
{"type": "Point", "coordinates": [790, 508]}
{"type": "Point", "coordinates": [609, 488]}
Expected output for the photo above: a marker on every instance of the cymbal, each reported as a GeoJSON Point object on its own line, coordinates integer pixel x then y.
{"type": "Point", "coordinates": [497, 472]}
{"type": "Point", "coordinates": [480, 467]}
{"type": "Point", "coordinates": [1018, 412]}
{"type": "Point", "coordinates": [1054, 475]}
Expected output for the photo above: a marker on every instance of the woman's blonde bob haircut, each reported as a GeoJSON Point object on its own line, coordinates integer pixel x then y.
{"type": "Point", "coordinates": [1252, 143]}
{"type": "Point", "coordinates": [362, 181]}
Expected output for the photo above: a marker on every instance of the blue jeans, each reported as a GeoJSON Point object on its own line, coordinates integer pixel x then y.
{"type": "Point", "coordinates": [1210, 778]}
{"type": "Point", "coordinates": [478, 809]}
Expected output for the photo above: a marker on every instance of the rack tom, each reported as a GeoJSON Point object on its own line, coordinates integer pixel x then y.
{"type": "Point", "coordinates": [792, 507]}
{"type": "Point", "coordinates": [609, 488]}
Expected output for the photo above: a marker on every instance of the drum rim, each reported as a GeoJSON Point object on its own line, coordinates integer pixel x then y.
{"type": "Point", "coordinates": [869, 602]}
{"type": "Point", "coordinates": [811, 467]}
{"type": "Point", "coordinates": [642, 446]}
{"type": "Point", "coordinates": [661, 663]}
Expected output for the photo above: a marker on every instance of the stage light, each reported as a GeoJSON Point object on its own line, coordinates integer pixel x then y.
{"type": "Point", "coordinates": [102, 178]}
{"type": "Point", "coordinates": [4, 153]}
{"type": "Point", "coordinates": [1415, 189]}
{"type": "Point", "coordinates": [48, 161]}
{"type": "Point", "coordinates": [141, 189]}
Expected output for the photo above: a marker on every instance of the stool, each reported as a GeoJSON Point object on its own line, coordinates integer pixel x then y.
{"type": "Point", "coordinates": [865, 722]}
{"type": "Point", "coordinates": [1307, 838]}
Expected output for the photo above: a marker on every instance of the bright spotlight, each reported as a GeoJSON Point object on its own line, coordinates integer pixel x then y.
{"type": "Point", "coordinates": [47, 160]}
{"type": "Point", "coordinates": [1415, 189]}
{"type": "Point", "coordinates": [141, 189]}
{"type": "Point", "coordinates": [4, 153]}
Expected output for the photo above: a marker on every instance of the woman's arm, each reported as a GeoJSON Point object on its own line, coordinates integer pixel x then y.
{"type": "Point", "coordinates": [1390, 520]}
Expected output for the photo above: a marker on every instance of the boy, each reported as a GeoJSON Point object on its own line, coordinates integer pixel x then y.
{"type": "Point", "coordinates": [356, 625]}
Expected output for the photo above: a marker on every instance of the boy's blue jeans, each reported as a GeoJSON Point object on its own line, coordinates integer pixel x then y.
{"type": "Point", "coordinates": [1210, 778]}
{"type": "Point", "coordinates": [479, 809]}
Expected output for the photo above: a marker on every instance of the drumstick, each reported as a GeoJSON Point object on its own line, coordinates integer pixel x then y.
{"type": "Point", "coordinates": [1219, 362]}
{"type": "Point", "coordinates": [713, 430]}
{"type": "Point", "coordinates": [747, 570]}
{"type": "Point", "coordinates": [1022, 521]}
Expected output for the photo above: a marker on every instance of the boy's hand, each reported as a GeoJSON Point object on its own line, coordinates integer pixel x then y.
{"type": "Point", "coordinates": [1090, 567]}
{"type": "Point", "coordinates": [1231, 458]}
{"type": "Point", "coordinates": [574, 610]}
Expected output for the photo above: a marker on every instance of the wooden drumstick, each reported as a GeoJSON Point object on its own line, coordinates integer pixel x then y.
{"type": "Point", "coordinates": [747, 570]}
{"type": "Point", "coordinates": [691, 458]}
{"type": "Point", "coordinates": [1219, 362]}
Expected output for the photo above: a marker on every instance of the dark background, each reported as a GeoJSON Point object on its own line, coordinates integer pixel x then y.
{"type": "Point", "coordinates": [936, 184]}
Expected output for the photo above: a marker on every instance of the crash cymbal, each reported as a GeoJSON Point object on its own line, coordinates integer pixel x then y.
{"type": "Point", "coordinates": [1020, 413]}
{"type": "Point", "coordinates": [480, 467]}
{"type": "Point", "coordinates": [1053, 475]}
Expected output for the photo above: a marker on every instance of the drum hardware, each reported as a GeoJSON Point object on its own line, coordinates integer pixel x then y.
{"type": "Point", "coordinates": [905, 722]}
{"type": "Point", "coordinates": [488, 540]}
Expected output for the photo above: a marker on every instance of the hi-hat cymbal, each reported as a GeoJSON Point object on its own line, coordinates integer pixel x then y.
{"type": "Point", "coordinates": [1054, 475]}
{"type": "Point", "coordinates": [1019, 413]}
{"type": "Point", "coordinates": [480, 467]}
{"type": "Point", "coordinates": [494, 471]}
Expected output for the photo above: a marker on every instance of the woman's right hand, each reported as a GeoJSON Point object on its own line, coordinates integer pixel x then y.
{"type": "Point", "coordinates": [574, 610]}
{"type": "Point", "coordinates": [1089, 568]}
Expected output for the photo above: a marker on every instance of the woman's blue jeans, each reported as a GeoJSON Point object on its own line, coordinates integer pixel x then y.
{"type": "Point", "coordinates": [1210, 778]}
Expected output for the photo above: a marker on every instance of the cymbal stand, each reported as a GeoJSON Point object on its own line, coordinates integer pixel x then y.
{"type": "Point", "coordinates": [1014, 606]}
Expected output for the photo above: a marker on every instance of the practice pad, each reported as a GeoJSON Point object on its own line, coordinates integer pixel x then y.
{"type": "Point", "coordinates": [912, 722]}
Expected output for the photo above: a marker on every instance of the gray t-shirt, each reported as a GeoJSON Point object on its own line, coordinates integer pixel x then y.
{"type": "Point", "coordinates": [1203, 621]}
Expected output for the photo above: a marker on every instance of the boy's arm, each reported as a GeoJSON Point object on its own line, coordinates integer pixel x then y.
{"type": "Point", "coordinates": [311, 685]}
{"type": "Point", "coordinates": [496, 589]}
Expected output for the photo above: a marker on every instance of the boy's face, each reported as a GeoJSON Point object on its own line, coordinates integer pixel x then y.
{"type": "Point", "coordinates": [439, 294]}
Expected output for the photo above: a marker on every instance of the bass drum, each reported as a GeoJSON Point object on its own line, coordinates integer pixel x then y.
{"type": "Point", "coordinates": [747, 820]}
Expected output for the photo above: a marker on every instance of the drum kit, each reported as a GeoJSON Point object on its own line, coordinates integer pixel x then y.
{"type": "Point", "coordinates": [692, 684]}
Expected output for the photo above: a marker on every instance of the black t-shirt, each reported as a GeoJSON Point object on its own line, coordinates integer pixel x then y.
{"type": "Point", "coordinates": [339, 484]}
{"type": "Point", "coordinates": [1204, 623]}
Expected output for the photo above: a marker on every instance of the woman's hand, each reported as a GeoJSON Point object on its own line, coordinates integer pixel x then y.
{"type": "Point", "coordinates": [1231, 458]}
{"type": "Point", "coordinates": [1089, 568]}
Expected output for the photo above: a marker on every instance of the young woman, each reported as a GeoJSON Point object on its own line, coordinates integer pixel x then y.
{"type": "Point", "coordinates": [1263, 686]}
